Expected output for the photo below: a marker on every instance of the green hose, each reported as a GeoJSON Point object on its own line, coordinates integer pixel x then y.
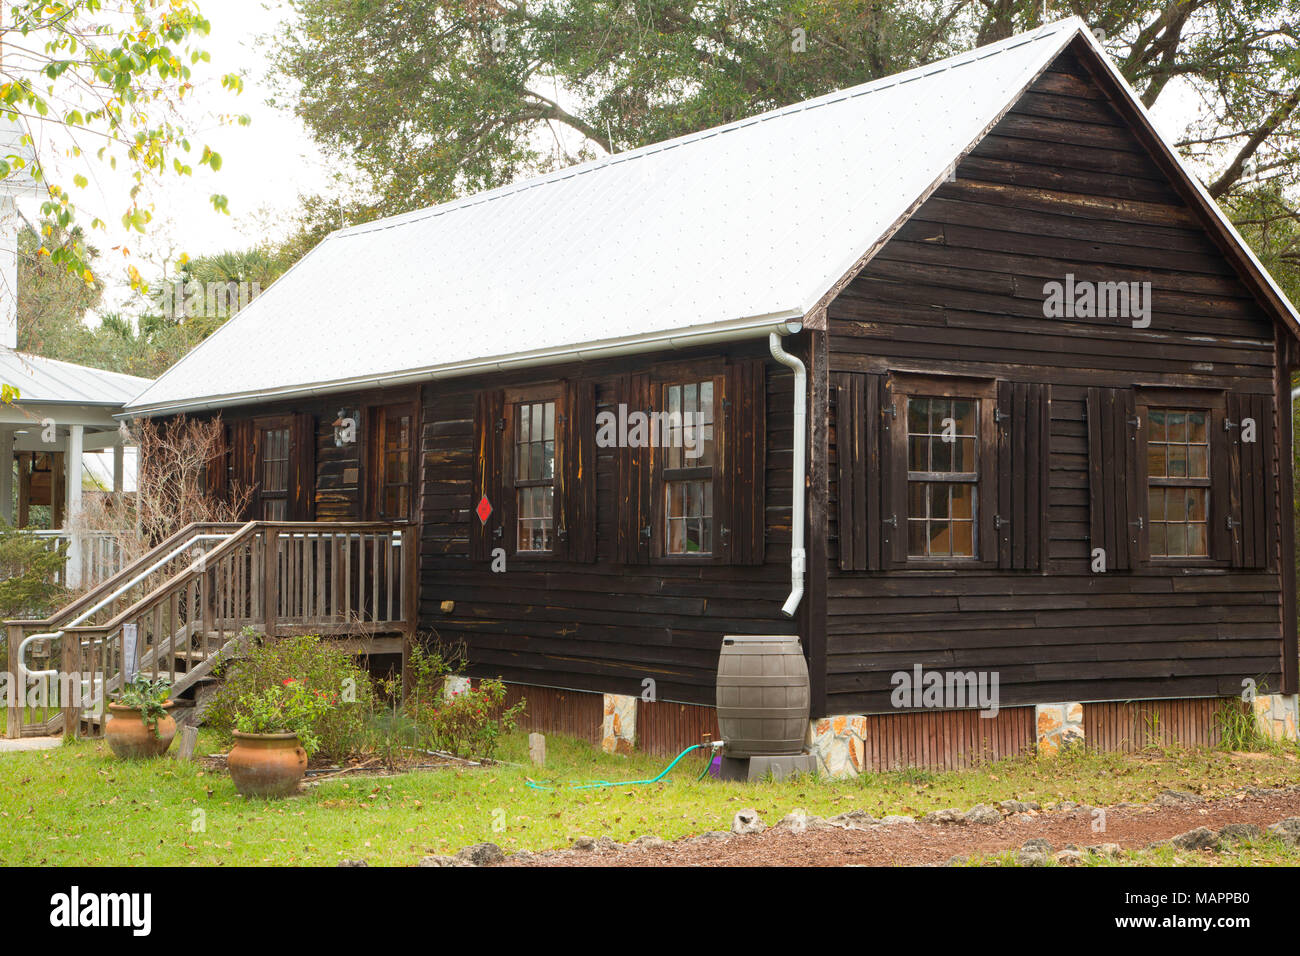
{"type": "Point", "coordinates": [596, 785]}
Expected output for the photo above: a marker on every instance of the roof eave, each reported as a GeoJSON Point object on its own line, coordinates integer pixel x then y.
{"type": "Point", "coordinates": [786, 322]}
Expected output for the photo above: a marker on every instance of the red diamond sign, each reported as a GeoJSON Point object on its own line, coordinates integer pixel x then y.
{"type": "Point", "coordinates": [484, 509]}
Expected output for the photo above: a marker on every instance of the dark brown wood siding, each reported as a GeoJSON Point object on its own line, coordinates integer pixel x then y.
{"type": "Point", "coordinates": [1061, 186]}
{"type": "Point", "coordinates": [605, 625]}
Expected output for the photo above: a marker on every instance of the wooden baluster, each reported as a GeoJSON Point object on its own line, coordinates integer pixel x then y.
{"type": "Point", "coordinates": [389, 541]}
{"type": "Point", "coordinates": [347, 577]}
{"type": "Point", "coordinates": [14, 724]}
{"type": "Point", "coordinates": [270, 568]}
{"type": "Point", "coordinates": [321, 548]}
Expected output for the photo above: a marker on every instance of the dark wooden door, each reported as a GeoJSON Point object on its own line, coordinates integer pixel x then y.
{"type": "Point", "coordinates": [273, 466]}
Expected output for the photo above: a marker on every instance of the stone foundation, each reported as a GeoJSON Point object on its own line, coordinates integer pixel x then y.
{"type": "Point", "coordinates": [454, 686]}
{"type": "Point", "coordinates": [618, 729]}
{"type": "Point", "coordinates": [1059, 727]}
{"type": "Point", "coordinates": [838, 744]}
{"type": "Point", "coordinates": [1276, 715]}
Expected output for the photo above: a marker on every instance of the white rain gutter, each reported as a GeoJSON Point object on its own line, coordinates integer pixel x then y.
{"type": "Point", "coordinates": [798, 557]}
{"type": "Point", "coordinates": [779, 323]}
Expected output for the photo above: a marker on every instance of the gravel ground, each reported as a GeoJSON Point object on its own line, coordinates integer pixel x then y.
{"type": "Point", "coordinates": [930, 844]}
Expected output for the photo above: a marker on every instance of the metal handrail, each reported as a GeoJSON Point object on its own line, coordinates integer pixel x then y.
{"type": "Point", "coordinates": [23, 670]}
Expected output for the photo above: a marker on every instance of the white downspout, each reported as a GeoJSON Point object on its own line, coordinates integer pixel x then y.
{"type": "Point", "coordinates": [798, 557]}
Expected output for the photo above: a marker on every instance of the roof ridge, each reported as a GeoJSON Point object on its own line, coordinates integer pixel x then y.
{"type": "Point", "coordinates": [871, 86]}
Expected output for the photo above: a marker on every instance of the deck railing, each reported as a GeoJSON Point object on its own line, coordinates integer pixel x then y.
{"type": "Point", "coordinates": [98, 555]}
{"type": "Point", "coordinates": [273, 577]}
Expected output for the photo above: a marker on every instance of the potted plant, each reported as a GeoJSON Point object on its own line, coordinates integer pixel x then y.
{"type": "Point", "coordinates": [138, 723]}
{"type": "Point", "coordinates": [274, 736]}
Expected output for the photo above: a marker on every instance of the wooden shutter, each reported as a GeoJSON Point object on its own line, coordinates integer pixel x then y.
{"type": "Point", "coordinates": [634, 467]}
{"type": "Point", "coordinates": [1249, 516]}
{"type": "Point", "coordinates": [575, 474]}
{"type": "Point", "coordinates": [1023, 419]}
{"type": "Point", "coordinates": [860, 477]}
{"type": "Point", "coordinates": [302, 463]}
{"type": "Point", "coordinates": [1115, 497]}
{"type": "Point", "coordinates": [215, 479]}
{"type": "Point", "coordinates": [243, 457]}
{"type": "Point", "coordinates": [489, 416]}
{"type": "Point", "coordinates": [743, 461]}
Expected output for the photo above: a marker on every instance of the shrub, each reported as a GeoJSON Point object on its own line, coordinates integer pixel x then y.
{"type": "Point", "coordinates": [287, 708]}
{"type": "Point", "coordinates": [28, 575]}
{"type": "Point", "coordinates": [314, 665]}
{"type": "Point", "coordinates": [471, 722]}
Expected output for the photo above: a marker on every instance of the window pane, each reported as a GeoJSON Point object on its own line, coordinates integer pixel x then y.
{"type": "Point", "coordinates": [963, 499]}
{"type": "Point", "coordinates": [1178, 448]}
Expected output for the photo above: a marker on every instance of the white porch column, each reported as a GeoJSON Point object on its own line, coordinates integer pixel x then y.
{"type": "Point", "coordinates": [119, 468]}
{"type": "Point", "coordinates": [7, 475]}
{"type": "Point", "coordinates": [72, 510]}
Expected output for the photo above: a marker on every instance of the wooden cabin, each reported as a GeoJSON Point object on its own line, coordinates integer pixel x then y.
{"type": "Point", "coordinates": [1046, 435]}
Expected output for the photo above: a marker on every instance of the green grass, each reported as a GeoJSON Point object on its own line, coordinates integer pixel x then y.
{"type": "Point", "coordinates": [79, 805]}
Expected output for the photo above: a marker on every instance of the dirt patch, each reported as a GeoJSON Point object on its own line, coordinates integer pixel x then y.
{"type": "Point", "coordinates": [928, 844]}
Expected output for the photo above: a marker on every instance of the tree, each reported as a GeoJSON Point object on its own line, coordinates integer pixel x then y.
{"type": "Point", "coordinates": [430, 99]}
{"type": "Point", "coordinates": [102, 83]}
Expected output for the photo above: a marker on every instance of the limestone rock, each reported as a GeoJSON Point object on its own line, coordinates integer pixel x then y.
{"type": "Point", "coordinates": [1288, 831]}
{"type": "Point", "coordinates": [1017, 806]}
{"type": "Point", "coordinates": [1069, 858]}
{"type": "Point", "coordinates": [982, 814]}
{"type": "Point", "coordinates": [1202, 838]}
{"type": "Point", "coordinates": [481, 854]}
{"type": "Point", "coordinates": [949, 815]}
{"type": "Point", "coordinates": [747, 821]}
{"type": "Point", "coordinates": [1235, 833]}
{"type": "Point", "coordinates": [1177, 798]}
{"type": "Point", "coordinates": [584, 843]}
{"type": "Point", "coordinates": [649, 841]}
{"type": "Point", "coordinates": [897, 818]}
{"type": "Point", "coordinates": [852, 820]}
{"type": "Point", "coordinates": [353, 863]}
{"type": "Point", "coordinates": [441, 861]}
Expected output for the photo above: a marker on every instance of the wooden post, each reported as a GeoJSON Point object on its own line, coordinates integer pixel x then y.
{"type": "Point", "coordinates": [410, 599]}
{"type": "Point", "coordinates": [18, 690]}
{"type": "Point", "coordinates": [72, 672]}
{"type": "Point", "coordinates": [270, 574]}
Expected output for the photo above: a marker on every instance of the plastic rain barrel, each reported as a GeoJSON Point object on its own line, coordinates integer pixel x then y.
{"type": "Point", "coordinates": [762, 695]}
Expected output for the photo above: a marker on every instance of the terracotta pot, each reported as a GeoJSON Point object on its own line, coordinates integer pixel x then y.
{"type": "Point", "coordinates": [130, 738]}
{"type": "Point", "coordinates": [266, 765]}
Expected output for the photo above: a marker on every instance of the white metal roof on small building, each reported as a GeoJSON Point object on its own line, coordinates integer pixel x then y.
{"type": "Point", "coordinates": [43, 381]}
{"type": "Point", "coordinates": [726, 229]}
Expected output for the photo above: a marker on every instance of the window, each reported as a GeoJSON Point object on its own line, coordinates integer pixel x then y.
{"type": "Point", "coordinates": [942, 454]}
{"type": "Point", "coordinates": [531, 427]}
{"type": "Point", "coordinates": [942, 476]}
{"type": "Point", "coordinates": [1178, 479]}
{"type": "Point", "coordinates": [392, 461]}
{"type": "Point", "coordinates": [689, 455]}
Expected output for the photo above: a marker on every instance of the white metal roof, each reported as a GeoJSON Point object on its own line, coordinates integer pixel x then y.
{"type": "Point", "coordinates": [43, 381]}
{"type": "Point", "coordinates": [730, 228]}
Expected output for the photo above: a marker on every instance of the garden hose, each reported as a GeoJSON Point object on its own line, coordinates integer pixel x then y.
{"type": "Point", "coordinates": [597, 784]}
